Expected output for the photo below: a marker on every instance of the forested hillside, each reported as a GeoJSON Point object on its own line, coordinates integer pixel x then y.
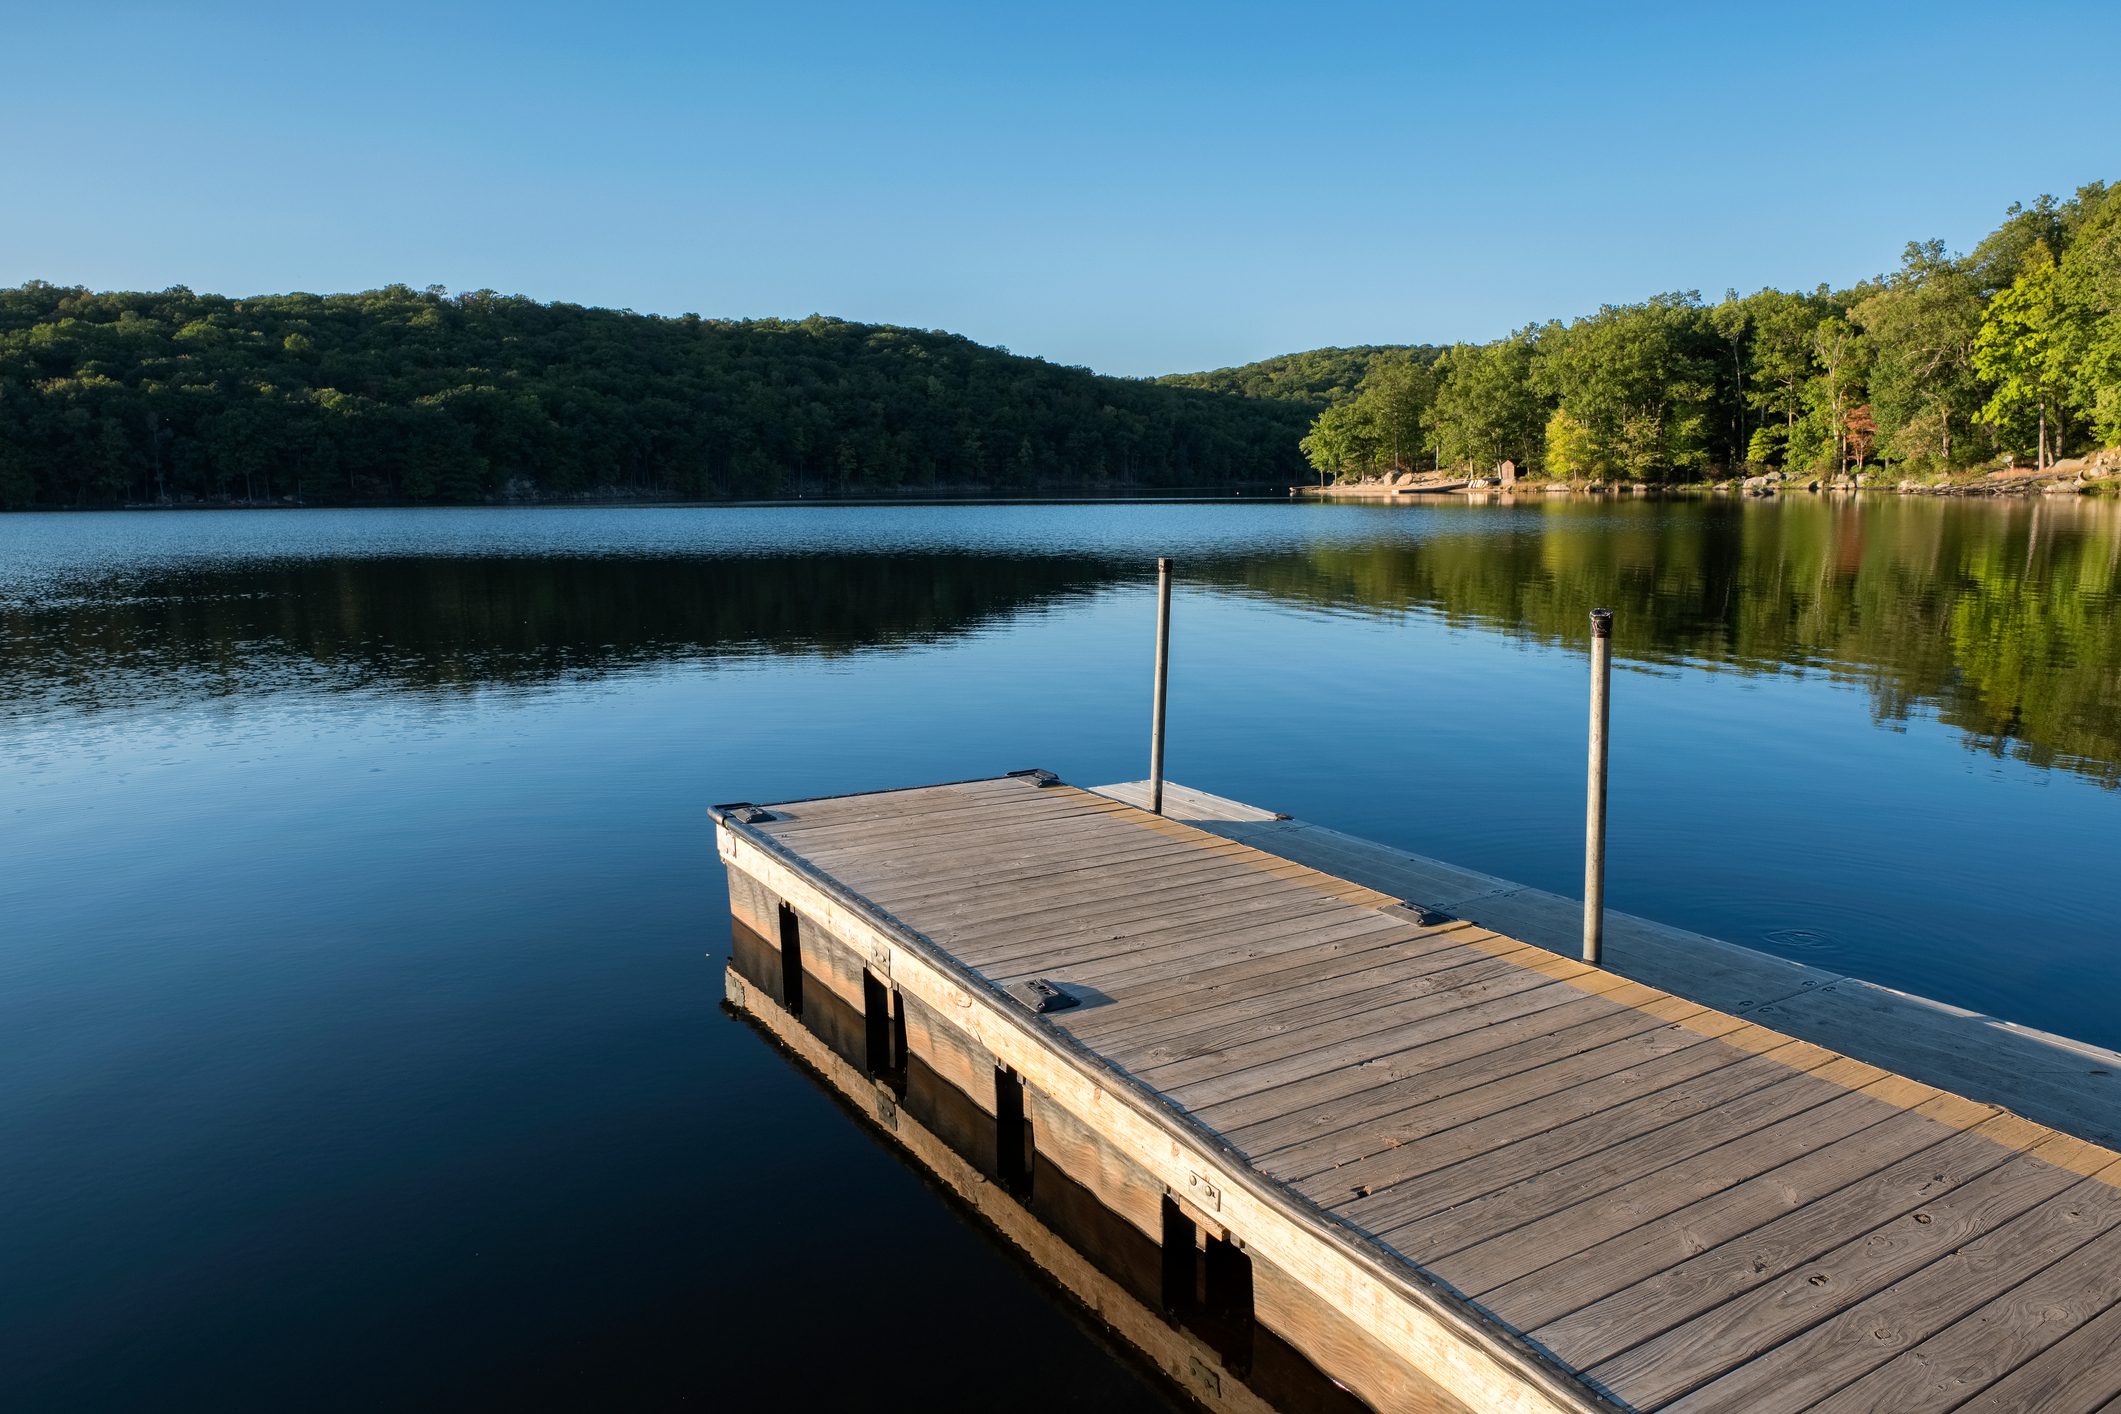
{"type": "Point", "coordinates": [1318, 377]}
{"type": "Point", "coordinates": [1950, 362]}
{"type": "Point", "coordinates": [404, 395]}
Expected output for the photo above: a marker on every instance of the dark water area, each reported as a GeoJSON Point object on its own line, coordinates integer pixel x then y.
{"type": "Point", "coordinates": [361, 937]}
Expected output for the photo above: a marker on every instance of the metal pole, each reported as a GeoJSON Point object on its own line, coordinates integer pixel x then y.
{"type": "Point", "coordinates": [1163, 667]}
{"type": "Point", "coordinates": [1594, 809]}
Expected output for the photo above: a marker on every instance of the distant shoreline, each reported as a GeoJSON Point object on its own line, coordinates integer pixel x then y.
{"type": "Point", "coordinates": [1141, 495]}
{"type": "Point", "coordinates": [2094, 476]}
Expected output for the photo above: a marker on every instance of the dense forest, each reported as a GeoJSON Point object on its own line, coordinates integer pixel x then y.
{"type": "Point", "coordinates": [409, 395]}
{"type": "Point", "coordinates": [1948, 363]}
{"type": "Point", "coordinates": [1317, 377]}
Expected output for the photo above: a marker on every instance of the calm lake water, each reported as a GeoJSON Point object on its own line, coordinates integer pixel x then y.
{"type": "Point", "coordinates": [361, 935]}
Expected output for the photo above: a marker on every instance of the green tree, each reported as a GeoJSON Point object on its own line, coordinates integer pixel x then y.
{"type": "Point", "coordinates": [1486, 408]}
{"type": "Point", "coordinates": [1780, 356]}
{"type": "Point", "coordinates": [1839, 355]}
{"type": "Point", "coordinates": [1733, 322]}
{"type": "Point", "coordinates": [1338, 443]}
{"type": "Point", "coordinates": [1640, 379]}
{"type": "Point", "coordinates": [1395, 397]}
{"type": "Point", "coordinates": [1572, 449]}
{"type": "Point", "coordinates": [2027, 233]}
{"type": "Point", "coordinates": [2088, 283]}
{"type": "Point", "coordinates": [1382, 429]}
{"type": "Point", "coordinates": [2022, 352]}
{"type": "Point", "coordinates": [1921, 326]}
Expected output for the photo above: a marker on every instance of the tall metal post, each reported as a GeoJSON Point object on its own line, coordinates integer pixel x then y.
{"type": "Point", "coordinates": [1163, 668]}
{"type": "Point", "coordinates": [1594, 807]}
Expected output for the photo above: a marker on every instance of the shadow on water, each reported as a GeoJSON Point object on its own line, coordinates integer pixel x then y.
{"type": "Point", "coordinates": [2002, 620]}
{"type": "Point", "coordinates": [436, 624]}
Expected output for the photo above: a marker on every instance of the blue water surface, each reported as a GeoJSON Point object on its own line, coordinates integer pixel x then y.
{"type": "Point", "coordinates": [361, 934]}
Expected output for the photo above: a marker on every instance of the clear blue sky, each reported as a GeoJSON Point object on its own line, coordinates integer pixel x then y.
{"type": "Point", "coordinates": [1141, 188]}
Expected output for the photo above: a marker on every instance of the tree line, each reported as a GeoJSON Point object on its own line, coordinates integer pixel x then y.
{"type": "Point", "coordinates": [403, 395]}
{"type": "Point", "coordinates": [396, 395]}
{"type": "Point", "coordinates": [1949, 362]}
{"type": "Point", "coordinates": [1318, 378]}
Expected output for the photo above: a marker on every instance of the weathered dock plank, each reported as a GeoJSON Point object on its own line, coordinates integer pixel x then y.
{"type": "Point", "coordinates": [1528, 1183]}
{"type": "Point", "coordinates": [2069, 1084]}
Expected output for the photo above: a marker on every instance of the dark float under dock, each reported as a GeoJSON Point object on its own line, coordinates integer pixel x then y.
{"type": "Point", "coordinates": [1304, 1142]}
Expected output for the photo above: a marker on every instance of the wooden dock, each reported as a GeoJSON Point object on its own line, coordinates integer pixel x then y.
{"type": "Point", "coordinates": [1320, 1125]}
{"type": "Point", "coordinates": [2063, 1083]}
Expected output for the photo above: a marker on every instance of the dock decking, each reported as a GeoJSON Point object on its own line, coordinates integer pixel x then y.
{"type": "Point", "coordinates": [1542, 1185]}
{"type": "Point", "coordinates": [2066, 1084]}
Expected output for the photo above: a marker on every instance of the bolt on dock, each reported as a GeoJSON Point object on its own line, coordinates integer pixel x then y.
{"type": "Point", "coordinates": [1305, 1143]}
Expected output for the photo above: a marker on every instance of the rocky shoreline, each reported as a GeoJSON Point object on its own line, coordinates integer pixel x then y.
{"type": "Point", "coordinates": [2093, 475]}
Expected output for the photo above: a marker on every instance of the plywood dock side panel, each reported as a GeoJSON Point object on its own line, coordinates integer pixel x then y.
{"type": "Point", "coordinates": [1181, 1358]}
{"type": "Point", "coordinates": [1075, 1161]}
{"type": "Point", "coordinates": [1121, 1185]}
{"type": "Point", "coordinates": [1336, 1343]}
{"type": "Point", "coordinates": [953, 1056]}
{"type": "Point", "coordinates": [752, 904]}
